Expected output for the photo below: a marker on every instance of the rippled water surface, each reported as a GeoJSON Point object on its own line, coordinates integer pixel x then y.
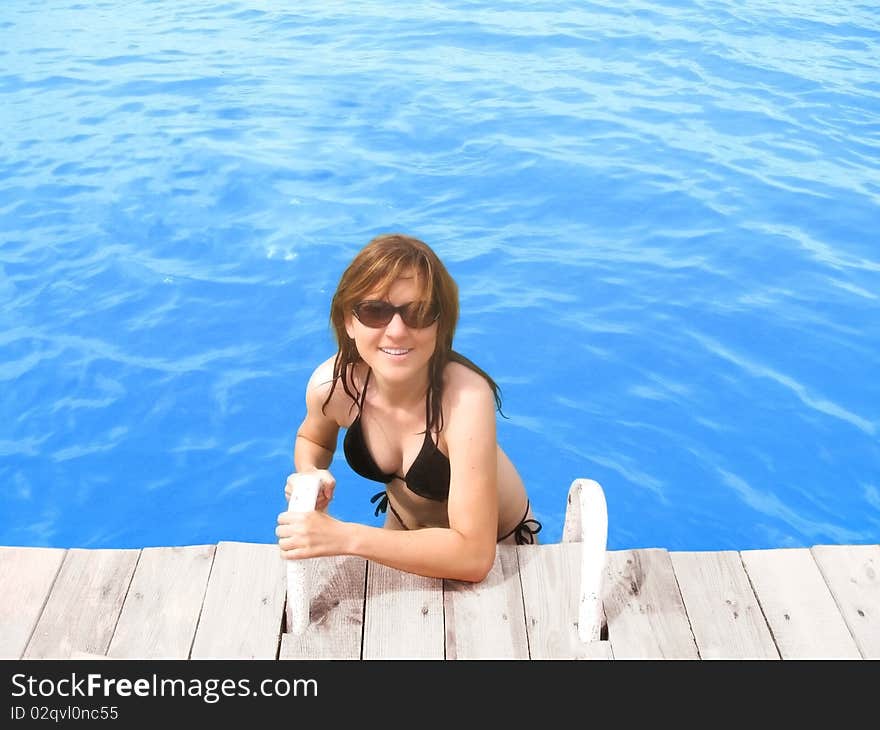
{"type": "Point", "coordinates": [663, 219]}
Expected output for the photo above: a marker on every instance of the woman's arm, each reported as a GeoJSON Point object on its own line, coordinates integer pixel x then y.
{"type": "Point", "coordinates": [463, 551]}
{"type": "Point", "coordinates": [316, 437]}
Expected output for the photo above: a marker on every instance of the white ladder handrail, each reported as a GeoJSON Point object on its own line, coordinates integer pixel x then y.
{"type": "Point", "coordinates": [302, 499]}
{"type": "Point", "coordinates": [586, 522]}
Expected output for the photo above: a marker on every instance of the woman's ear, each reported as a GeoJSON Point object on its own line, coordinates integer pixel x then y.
{"type": "Point", "coordinates": [349, 326]}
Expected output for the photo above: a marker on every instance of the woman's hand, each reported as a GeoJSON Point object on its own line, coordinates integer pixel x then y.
{"type": "Point", "coordinates": [310, 534]}
{"type": "Point", "coordinates": [325, 493]}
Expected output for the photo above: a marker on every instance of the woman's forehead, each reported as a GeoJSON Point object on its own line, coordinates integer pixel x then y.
{"type": "Point", "coordinates": [408, 285]}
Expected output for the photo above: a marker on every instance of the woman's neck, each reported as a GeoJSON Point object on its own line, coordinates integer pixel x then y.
{"type": "Point", "coordinates": [404, 394]}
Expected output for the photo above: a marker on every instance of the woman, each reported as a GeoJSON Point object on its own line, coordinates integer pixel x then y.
{"type": "Point", "coordinates": [419, 418]}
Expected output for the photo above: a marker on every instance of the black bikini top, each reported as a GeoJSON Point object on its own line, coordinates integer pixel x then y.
{"type": "Point", "coordinates": [427, 477]}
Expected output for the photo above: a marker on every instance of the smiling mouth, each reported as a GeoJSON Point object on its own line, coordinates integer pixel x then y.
{"type": "Point", "coordinates": [397, 351]}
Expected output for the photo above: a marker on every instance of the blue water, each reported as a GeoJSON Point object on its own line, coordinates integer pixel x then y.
{"type": "Point", "coordinates": [663, 218]}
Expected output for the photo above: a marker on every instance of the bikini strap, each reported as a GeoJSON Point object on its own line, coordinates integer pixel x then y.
{"type": "Point", "coordinates": [363, 397]}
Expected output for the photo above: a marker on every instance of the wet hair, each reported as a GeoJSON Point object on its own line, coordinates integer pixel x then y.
{"type": "Point", "coordinates": [374, 269]}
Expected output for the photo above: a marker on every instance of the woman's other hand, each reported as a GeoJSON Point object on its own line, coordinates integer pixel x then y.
{"type": "Point", "coordinates": [325, 493]}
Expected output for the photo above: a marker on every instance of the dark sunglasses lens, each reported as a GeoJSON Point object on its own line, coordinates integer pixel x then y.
{"type": "Point", "coordinates": [416, 317]}
{"type": "Point", "coordinates": [374, 314]}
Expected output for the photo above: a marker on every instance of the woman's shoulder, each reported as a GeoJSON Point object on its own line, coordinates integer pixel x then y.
{"type": "Point", "coordinates": [468, 403]}
{"type": "Point", "coordinates": [321, 379]}
{"type": "Point", "coordinates": [321, 391]}
{"type": "Point", "coordinates": [462, 382]}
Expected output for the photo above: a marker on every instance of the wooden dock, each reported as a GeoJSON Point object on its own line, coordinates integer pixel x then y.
{"type": "Point", "coordinates": [227, 601]}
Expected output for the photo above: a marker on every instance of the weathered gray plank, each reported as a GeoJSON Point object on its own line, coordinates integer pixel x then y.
{"type": "Point", "coordinates": [336, 611]}
{"type": "Point", "coordinates": [84, 604]}
{"type": "Point", "coordinates": [645, 613]}
{"type": "Point", "coordinates": [26, 577]}
{"type": "Point", "coordinates": [244, 603]}
{"type": "Point", "coordinates": [724, 614]}
{"type": "Point", "coordinates": [403, 615]}
{"type": "Point", "coordinates": [597, 650]}
{"type": "Point", "coordinates": [551, 593]}
{"type": "Point", "coordinates": [485, 620]}
{"type": "Point", "coordinates": [852, 572]}
{"type": "Point", "coordinates": [161, 611]}
{"type": "Point", "coordinates": [799, 608]}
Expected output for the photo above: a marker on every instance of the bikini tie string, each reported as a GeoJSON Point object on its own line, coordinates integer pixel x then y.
{"type": "Point", "coordinates": [383, 503]}
{"type": "Point", "coordinates": [525, 532]}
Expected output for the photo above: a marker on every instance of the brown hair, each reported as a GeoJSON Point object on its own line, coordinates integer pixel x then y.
{"type": "Point", "coordinates": [375, 268]}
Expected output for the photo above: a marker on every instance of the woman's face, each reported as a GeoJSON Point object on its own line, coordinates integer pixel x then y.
{"type": "Point", "coordinates": [396, 351]}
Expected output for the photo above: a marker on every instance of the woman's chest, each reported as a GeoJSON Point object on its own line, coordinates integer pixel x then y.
{"type": "Point", "coordinates": [396, 443]}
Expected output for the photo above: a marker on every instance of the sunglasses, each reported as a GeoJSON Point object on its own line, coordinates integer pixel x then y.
{"type": "Point", "coordinates": [376, 313]}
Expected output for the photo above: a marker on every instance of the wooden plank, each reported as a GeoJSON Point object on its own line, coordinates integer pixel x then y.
{"type": "Point", "coordinates": [336, 611]}
{"type": "Point", "coordinates": [724, 614]}
{"type": "Point", "coordinates": [852, 572]}
{"type": "Point", "coordinates": [485, 620]}
{"type": "Point", "coordinates": [551, 593]}
{"type": "Point", "coordinates": [644, 609]}
{"type": "Point", "coordinates": [403, 617]}
{"type": "Point", "coordinates": [161, 611]}
{"type": "Point", "coordinates": [244, 603]}
{"type": "Point", "coordinates": [26, 575]}
{"type": "Point", "coordinates": [597, 650]}
{"type": "Point", "coordinates": [84, 604]}
{"type": "Point", "coordinates": [799, 608]}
